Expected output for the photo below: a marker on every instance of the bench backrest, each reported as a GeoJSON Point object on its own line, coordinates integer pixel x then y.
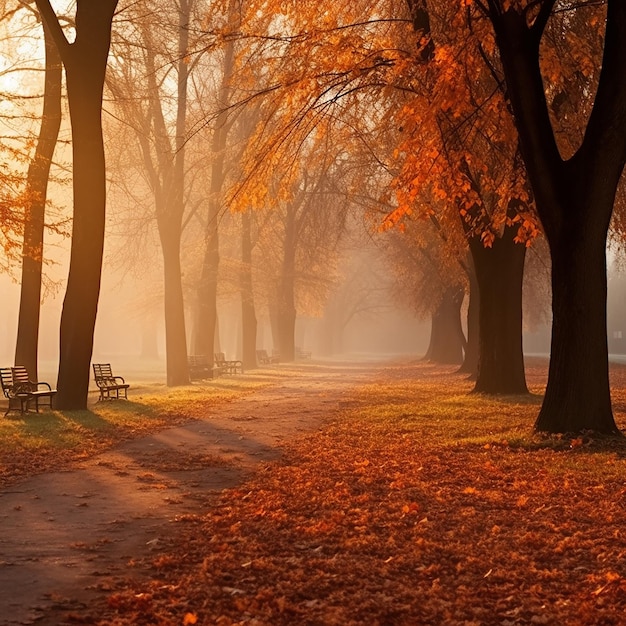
{"type": "Point", "coordinates": [20, 377]}
{"type": "Point", "coordinates": [198, 360]}
{"type": "Point", "coordinates": [220, 357]}
{"type": "Point", "coordinates": [102, 370]}
{"type": "Point", "coordinates": [15, 380]}
{"type": "Point", "coordinates": [6, 378]}
{"type": "Point", "coordinates": [262, 354]}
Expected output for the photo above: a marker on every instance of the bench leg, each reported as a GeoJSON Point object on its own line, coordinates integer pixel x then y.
{"type": "Point", "coordinates": [23, 406]}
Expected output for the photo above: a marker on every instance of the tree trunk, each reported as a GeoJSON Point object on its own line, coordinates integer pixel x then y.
{"type": "Point", "coordinates": [170, 204]}
{"type": "Point", "coordinates": [446, 336]}
{"type": "Point", "coordinates": [206, 317]}
{"type": "Point", "coordinates": [286, 313]}
{"type": "Point", "coordinates": [575, 200]}
{"type": "Point", "coordinates": [286, 324]}
{"type": "Point", "coordinates": [85, 63]}
{"type": "Point", "coordinates": [175, 335]}
{"type": "Point", "coordinates": [577, 395]}
{"type": "Point", "coordinates": [500, 272]}
{"type": "Point", "coordinates": [36, 191]}
{"type": "Point", "coordinates": [472, 347]}
{"type": "Point", "coordinates": [206, 321]}
{"type": "Point", "coordinates": [248, 314]}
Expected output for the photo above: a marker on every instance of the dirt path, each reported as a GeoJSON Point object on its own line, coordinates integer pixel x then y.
{"type": "Point", "coordinates": [63, 535]}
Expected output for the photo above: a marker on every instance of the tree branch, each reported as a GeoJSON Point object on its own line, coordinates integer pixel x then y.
{"type": "Point", "coordinates": [52, 22]}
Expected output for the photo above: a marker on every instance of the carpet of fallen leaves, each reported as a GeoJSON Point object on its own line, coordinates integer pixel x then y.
{"type": "Point", "coordinates": [418, 504]}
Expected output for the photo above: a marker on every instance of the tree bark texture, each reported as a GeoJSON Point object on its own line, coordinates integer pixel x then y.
{"type": "Point", "coordinates": [26, 349]}
{"type": "Point", "coordinates": [85, 62]}
{"type": "Point", "coordinates": [499, 273]}
{"type": "Point", "coordinates": [578, 397]}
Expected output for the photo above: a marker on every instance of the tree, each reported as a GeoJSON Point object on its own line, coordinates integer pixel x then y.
{"type": "Point", "coordinates": [36, 194]}
{"type": "Point", "coordinates": [575, 198]}
{"type": "Point", "coordinates": [446, 334]}
{"type": "Point", "coordinates": [248, 313]}
{"type": "Point", "coordinates": [405, 65]}
{"type": "Point", "coordinates": [85, 62]}
{"type": "Point", "coordinates": [312, 80]}
{"type": "Point", "coordinates": [206, 318]}
{"type": "Point", "coordinates": [157, 80]}
{"type": "Point", "coordinates": [298, 245]}
{"type": "Point", "coordinates": [170, 210]}
{"type": "Point", "coordinates": [500, 271]}
{"type": "Point", "coordinates": [431, 276]}
{"type": "Point", "coordinates": [458, 160]}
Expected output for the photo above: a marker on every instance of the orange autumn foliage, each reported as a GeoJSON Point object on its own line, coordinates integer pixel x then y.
{"type": "Point", "coordinates": [457, 154]}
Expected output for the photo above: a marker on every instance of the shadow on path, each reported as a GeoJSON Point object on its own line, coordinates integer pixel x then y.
{"type": "Point", "coordinates": [62, 534]}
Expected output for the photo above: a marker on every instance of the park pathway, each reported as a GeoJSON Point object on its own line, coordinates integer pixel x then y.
{"type": "Point", "coordinates": [63, 535]}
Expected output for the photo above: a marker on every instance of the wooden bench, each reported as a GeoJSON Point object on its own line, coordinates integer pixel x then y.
{"type": "Point", "coordinates": [201, 367]}
{"type": "Point", "coordinates": [109, 385]}
{"type": "Point", "coordinates": [21, 392]}
{"type": "Point", "coordinates": [264, 359]}
{"type": "Point", "coordinates": [230, 367]}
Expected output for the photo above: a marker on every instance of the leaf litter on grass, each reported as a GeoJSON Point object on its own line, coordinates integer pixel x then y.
{"type": "Point", "coordinates": [409, 507]}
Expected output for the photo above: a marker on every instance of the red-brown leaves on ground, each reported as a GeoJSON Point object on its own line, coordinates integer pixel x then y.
{"type": "Point", "coordinates": [380, 519]}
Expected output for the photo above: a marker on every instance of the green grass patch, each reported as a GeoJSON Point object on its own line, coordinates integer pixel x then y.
{"type": "Point", "coordinates": [36, 442]}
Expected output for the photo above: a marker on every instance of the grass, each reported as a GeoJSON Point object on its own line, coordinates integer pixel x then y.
{"type": "Point", "coordinates": [443, 408]}
{"type": "Point", "coordinates": [51, 440]}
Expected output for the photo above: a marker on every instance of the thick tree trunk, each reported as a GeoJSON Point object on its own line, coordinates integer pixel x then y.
{"type": "Point", "coordinates": [500, 272]}
{"type": "Point", "coordinates": [177, 372]}
{"type": "Point", "coordinates": [248, 314]}
{"type": "Point", "coordinates": [575, 200]}
{"type": "Point", "coordinates": [85, 63]}
{"type": "Point", "coordinates": [36, 190]}
{"type": "Point", "coordinates": [446, 336]}
{"type": "Point", "coordinates": [577, 394]}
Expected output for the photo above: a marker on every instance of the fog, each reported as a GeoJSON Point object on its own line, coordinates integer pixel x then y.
{"type": "Point", "coordinates": [349, 301]}
{"type": "Point", "coordinates": [122, 334]}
